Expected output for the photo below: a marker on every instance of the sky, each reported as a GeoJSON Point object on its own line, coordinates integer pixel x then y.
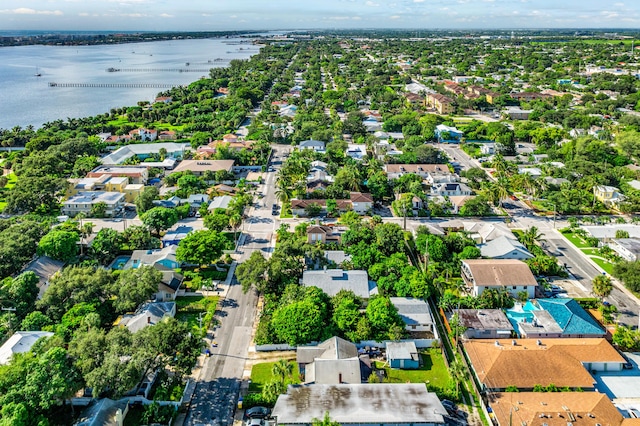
{"type": "Point", "coordinates": [217, 15]}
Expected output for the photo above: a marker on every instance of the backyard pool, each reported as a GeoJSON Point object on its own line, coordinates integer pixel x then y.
{"type": "Point", "coordinates": [119, 262]}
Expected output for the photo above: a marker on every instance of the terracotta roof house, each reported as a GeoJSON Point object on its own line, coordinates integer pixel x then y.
{"type": "Point", "coordinates": [525, 363]}
{"type": "Point", "coordinates": [484, 323]}
{"type": "Point", "coordinates": [322, 234]}
{"type": "Point", "coordinates": [512, 275]}
{"type": "Point", "coordinates": [136, 174]}
{"type": "Point", "coordinates": [556, 409]}
{"type": "Point", "coordinates": [380, 404]}
{"type": "Point", "coordinates": [361, 202]}
{"type": "Point", "coordinates": [298, 207]}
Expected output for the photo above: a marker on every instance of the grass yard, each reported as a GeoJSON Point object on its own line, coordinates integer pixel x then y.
{"type": "Point", "coordinates": [261, 375]}
{"type": "Point", "coordinates": [196, 303]}
{"type": "Point", "coordinates": [12, 179]}
{"type": "Point", "coordinates": [192, 308]}
{"type": "Point", "coordinates": [607, 266]}
{"type": "Point", "coordinates": [576, 240]}
{"type": "Point", "coordinates": [433, 370]}
{"type": "Point", "coordinates": [122, 120]}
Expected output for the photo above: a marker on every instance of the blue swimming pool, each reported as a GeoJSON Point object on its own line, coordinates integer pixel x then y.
{"type": "Point", "coordinates": [119, 262]}
{"type": "Point", "coordinates": [521, 313]}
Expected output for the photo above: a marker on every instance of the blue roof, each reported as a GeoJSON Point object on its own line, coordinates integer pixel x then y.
{"type": "Point", "coordinates": [570, 316]}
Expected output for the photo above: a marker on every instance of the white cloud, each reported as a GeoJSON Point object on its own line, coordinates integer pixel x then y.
{"type": "Point", "coordinates": [27, 11]}
{"type": "Point", "coordinates": [394, 17]}
{"type": "Point", "coordinates": [372, 4]}
{"type": "Point", "coordinates": [418, 1]}
{"type": "Point", "coordinates": [166, 15]}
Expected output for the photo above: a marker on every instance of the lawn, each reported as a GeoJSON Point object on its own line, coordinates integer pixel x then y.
{"type": "Point", "coordinates": [608, 267]}
{"type": "Point", "coordinates": [190, 309]}
{"type": "Point", "coordinates": [433, 370]}
{"type": "Point", "coordinates": [261, 374]}
{"type": "Point", "coordinates": [576, 240]}
{"type": "Point", "coordinates": [196, 303]}
{"type": "Point", "coordinates": [122, 120]}
{"type": "Point", "coordinates": [12, 179]}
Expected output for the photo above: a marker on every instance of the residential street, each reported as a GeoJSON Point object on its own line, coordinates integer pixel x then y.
{"type": "Point", "coordinates": [216, 392]}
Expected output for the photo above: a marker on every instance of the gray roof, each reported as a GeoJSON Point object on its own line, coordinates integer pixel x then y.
{"type": "Point", "coordinates": [122, 154]}
{"type": "Point", "coordinates": [44, 267]}
{"type": "Point", "coordinates": [402, 350]}
{"type": "Point", "coordinates": [379, 403]}
{"type": "Point", "coordinates": [502, 247]}
{"type": "Point", "coordinates": [20, 342]}
{"type": "Point", "coordinates": [631, 244]}
{"type": "Point", "coordinates": [149, 314]}
{"type": "Point", "coordinates": [333, 371]}
{"type": "Point", "coordinates": [609, 231]}
{"type": "Point", "coordinates": [484, 319]}
{"type": "Point", "coordinates": [488, 231]}
{"type": "Point", "coordinates": [221, 202]}
{"type": "Point", "coordinates": [177, 234]}
{"type": "Point", "coordinates": [95, 197]}
{"type": "Point", "coordinates": [413, 311]}
{"type": "Point", "coordinates": [312, 142]}
{"type": "Point", "coordinates": [336, 256]}
{"type": "Point", "coordinates": [333, 348]}
{"type": "Point", "coordinates": [331, 281]}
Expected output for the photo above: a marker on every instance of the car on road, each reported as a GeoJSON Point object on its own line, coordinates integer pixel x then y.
{"type": "Point", "coordinates": [627, 366]}
{"type": "Point", "coordinates": [256, 412]}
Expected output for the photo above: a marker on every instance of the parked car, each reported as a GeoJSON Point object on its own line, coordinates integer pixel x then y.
{"type": "Point", "coordinates": [257, 412]}
{"type": "Point", "coordinates": [627, 366]}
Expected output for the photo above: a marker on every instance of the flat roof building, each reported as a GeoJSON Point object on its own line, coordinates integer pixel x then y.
{"type": "Point", "coordinates": [363, 404]}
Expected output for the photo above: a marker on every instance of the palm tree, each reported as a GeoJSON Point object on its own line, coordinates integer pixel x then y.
{"type": "Point", "coordinates": [234, 221]}
{"type": "Point", "coordinates": [503, 189]}
{"type": "Point", "coordinates": [281, 370]}
{"type": "Point", "coordinates": [602, 286]}
{"type": "Point", "coordinates": [531, 236]}
{"type": "Point", "coordinates": [457, 373]}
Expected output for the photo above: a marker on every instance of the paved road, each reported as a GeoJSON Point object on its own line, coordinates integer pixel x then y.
{"type": "Point", "coordinates": [216, 394]}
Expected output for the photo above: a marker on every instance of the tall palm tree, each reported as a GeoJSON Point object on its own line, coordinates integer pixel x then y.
{"type": "Point", "coordinates": [503, 189]}
{"type": "Point", "coordinates": [234, 221]}
{"type": "Point", "coordinates": [457, 373]}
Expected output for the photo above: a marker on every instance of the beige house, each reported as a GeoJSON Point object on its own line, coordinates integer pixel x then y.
{"type": "Point", "coordinates": [509, 274]}
{"type": "Point", "coordinates": [322, 234]}
{"type": "Point", "coordinates": [609, 195]}
{"type": "Point", "coordinates": [199, 167]}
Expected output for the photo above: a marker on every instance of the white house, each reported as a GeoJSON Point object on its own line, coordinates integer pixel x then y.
{"type": "Point", "coordinates": [317, 146]}
{"type": "Point", "coordinates": [505, 248]}
{"type": "Point", "coordinates": [415, 313]}
{"type": "Point", "coordinates": [20, 342]}
{"type": "Point", "coordinates": [83, 202]}
{"type": "Point", "coordinates": [361, 202]}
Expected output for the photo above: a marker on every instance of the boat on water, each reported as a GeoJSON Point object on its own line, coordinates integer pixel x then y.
{"type": "Point", "coordinates": [38, 73]}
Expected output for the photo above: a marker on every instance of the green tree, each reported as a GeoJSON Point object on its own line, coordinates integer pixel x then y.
{"type": "Point", "coordinates": [106, 245]}
{"type": "Point", "coordinates": [35, 321]}
{"type": "Point", "coordinates": [628, 273]}
{"type": "Point", "coordinates": [21, 291]}
{"type": "Point", "coordinates": [135, 286]}
{"type": "Point", "coordinates": [383, 317]}
{"type": "Point", "coordinates": [252, 272]}
{"type": "Point", "coordinates": [144, 201]}
{"type": "Point", "coordinates": [201, 247]}
{"type": "Point", "coordinates": [75, 284]}
{"type": "Point", "coordinates": [282, 370]}
{"type": "Point", "coordinates": [98, 210]}
{"type": "Point", "coordinates": [159, 219]}
{"type": "Point", "coordinates": [138, 237]}
{"type": "Point", "coordinates": [602, 285]}
{"type": "Point", "coordinates": [389, 238]}
{"type": "Point", "coordinates": [60, 245]}
{"type": "Point", "coordinates": [457, 373]}
{"type": "Point", "coordinates": [298, 323]}
{"type": "Point", "coordinates": [326, 421]}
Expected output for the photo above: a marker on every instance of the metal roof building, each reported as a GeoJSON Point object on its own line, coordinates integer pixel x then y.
{"type": "Point", "coordinates": [362, 404]}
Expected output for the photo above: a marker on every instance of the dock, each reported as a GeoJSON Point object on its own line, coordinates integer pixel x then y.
{"type": "Point", "coordinates": [116, 85]}
{"type": "Point", "coordinates": [202, 70]}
